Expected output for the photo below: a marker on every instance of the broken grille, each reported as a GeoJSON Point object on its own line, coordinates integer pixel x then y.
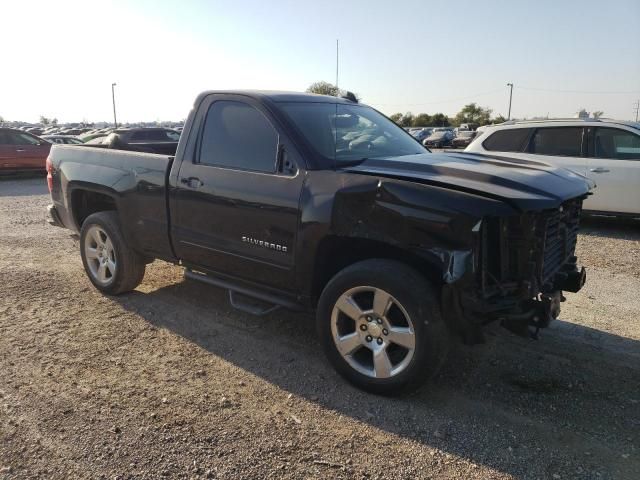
{"type": "Point", "coordinates": [527, 251]}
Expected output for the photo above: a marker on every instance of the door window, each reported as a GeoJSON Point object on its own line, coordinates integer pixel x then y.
{"type": "Point", "coordinates": [171, 135]}
{"type": "Point", "coordinates": [511, 140]}
{"type": "Point", "coordinates": [236, 135]}
{"type": "Point", "coordinates": [617, 144]}
{"type": "Point", "coordinates": [140, 135]}
{"type": "Point", "coordinates": [161, 136]}
{"type": "Point", "coordinates": [558, 141]}
{"type": "Point", "coordinates": [15, 138]}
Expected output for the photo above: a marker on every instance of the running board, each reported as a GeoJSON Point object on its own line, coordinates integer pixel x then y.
{"type": "Point", "coordinates": [274, 301]}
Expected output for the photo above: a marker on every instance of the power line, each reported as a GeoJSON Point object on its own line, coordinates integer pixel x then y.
{"type": "Point", "coordinates": [577, 91]}
{"type": "Point", "coordinates": [440, 101]}
{"type": "Point", "coordinates": [490, 92]}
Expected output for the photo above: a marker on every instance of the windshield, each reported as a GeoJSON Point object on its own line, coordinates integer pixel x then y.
{"type": "Point", "coordinates": [349, 133]}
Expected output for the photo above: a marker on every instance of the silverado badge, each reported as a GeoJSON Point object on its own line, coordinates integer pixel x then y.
{"type": "Point", "coordinates": [262, 243]}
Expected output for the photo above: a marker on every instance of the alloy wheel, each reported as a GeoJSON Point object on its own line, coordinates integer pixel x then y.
{"type": "Point", "coordinates": [373, 332]}
{"type": "Point", "coordinates": [100, 255]}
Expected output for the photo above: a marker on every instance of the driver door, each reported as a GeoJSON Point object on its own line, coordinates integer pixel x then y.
{"type": "Point", "coordinates": [236, 204]}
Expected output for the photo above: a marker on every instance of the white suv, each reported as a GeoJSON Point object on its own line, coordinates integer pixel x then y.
{"type": "Point", "coordinates": [606, 151]}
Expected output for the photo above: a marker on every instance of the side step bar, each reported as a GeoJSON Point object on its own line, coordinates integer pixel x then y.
{"type": "Point", "coordinates": [274, 301]}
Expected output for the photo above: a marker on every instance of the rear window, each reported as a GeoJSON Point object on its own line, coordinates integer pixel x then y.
{"type": "Point", "coordinates": [511, 140]}
{"type": "Point", "coordinates": [559, 141]}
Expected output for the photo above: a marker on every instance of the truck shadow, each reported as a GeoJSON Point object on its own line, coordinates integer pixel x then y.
{"type": "Point", "coordinates": [498, 404]}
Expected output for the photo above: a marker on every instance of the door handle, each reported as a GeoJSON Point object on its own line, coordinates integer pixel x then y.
{"type": "Point", "coordinates": [20, 150]}
{"type": "Point", "coordinates": [191, 182]}
{"type": "Point", "coordinates": [599, 170]}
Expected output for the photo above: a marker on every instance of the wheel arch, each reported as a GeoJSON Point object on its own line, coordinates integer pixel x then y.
{"type": "Point", "coordinates": [85, 200]}
{"type": "Point", "coordinates": [336, 253]}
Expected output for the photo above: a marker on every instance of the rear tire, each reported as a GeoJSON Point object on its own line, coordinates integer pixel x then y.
{"type": "Point", "coordinates": [380, 325]}
{"type": "Point", "coordinates": [111, 265]}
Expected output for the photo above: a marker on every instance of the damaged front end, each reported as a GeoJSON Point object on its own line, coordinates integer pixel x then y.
{"type": "Point", "coordinates": [521, 265]}
{"type": "Point", "coordinates": [494, 261]}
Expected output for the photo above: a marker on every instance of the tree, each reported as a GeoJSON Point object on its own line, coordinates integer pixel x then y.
{"type": "Point", "coordinates": [44, 120]}
{"type": "Point", "coordinates": [499, 119]}
{"type": "Point", "coordinates": [396, 117]}
{"type": "Point", "coordinates": [324, 88]}
{"type": "Point", "coordinates": [422, 120]}
{"type": "Point", "coordinates": [597, 114]}
{"type": "Point", "coordinates": [472, 113]}
{"type": "Point", "coordinates": [440, 120]}
{"type": "Point", "coordinates": [407, 120]}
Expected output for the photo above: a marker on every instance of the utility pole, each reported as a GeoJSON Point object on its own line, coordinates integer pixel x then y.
{"type": "Point", "coordinates": [113, 97]}
{"type": "Point", "coordinates": [337, 57]}
{"type": "Point", "coordinates": [637, 107]}
{"type": "Point", "coordinates": [510, 85]}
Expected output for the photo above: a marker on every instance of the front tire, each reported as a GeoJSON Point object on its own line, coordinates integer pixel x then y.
{"type": "Point", "coordinates": [380, 325]}
{"type": "Point", "coordinates": [111, 265]}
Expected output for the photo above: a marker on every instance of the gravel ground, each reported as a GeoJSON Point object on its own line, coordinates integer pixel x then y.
{"type": "Point", "coordinates": [169, 381]}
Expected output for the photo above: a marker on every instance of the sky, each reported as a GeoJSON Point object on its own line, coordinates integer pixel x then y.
{"type": "Point", "coordinates": [60, 58]}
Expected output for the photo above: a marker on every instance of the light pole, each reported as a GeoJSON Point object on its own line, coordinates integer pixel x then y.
{"type": "Point", "coordinates": [510, 85]}
{"type": "Point", "coordinates": [113, 97]}
{"type": "Point", "coordinates": [337, 53]}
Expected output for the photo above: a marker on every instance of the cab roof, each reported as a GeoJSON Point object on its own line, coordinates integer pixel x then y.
{"type": "Point", "coordinates": [279, 96]}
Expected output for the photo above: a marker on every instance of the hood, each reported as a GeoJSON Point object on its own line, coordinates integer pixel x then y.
{"type": "Point", "coordinates": [525, 185]}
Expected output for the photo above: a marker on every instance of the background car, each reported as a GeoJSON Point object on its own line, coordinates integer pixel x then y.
{"type": "Point", "coordinates": [73, 131]}
{"type": "Point", "coordinates": [421, 134]}
{"type": "Point", "coordinates": [22, 151]}
{"type": "Point", "coordinates": [34, 131]}
{"type": "Point", "coordinates": [439, 139]}
{"type": "Point", "coordinates": [87, 137]}
{"type": "Point", "coordinates": [97, 140]}
{"type": "Point", "coordinates": [606, 151]}
{"type": "Point", "coordinates": [152, 140]}
{"type": "Point", "coordinates": [63, 139]}
{"type": "Point", "coordinates": [463, 138]}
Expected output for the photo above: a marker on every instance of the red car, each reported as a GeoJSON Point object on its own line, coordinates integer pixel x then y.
{"type": "Point", "coordinates": [20, 151]}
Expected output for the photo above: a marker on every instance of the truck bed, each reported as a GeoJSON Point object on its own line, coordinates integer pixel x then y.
{"type": "Point", "coordinates": [137, 180]}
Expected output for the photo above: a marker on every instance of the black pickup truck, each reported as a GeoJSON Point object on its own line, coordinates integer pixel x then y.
{"type": "Point", "coordinates": [322, 204]}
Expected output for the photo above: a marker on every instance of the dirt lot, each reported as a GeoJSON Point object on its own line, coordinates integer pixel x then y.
{"type": "Point", "coordinates": [170, 382]}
